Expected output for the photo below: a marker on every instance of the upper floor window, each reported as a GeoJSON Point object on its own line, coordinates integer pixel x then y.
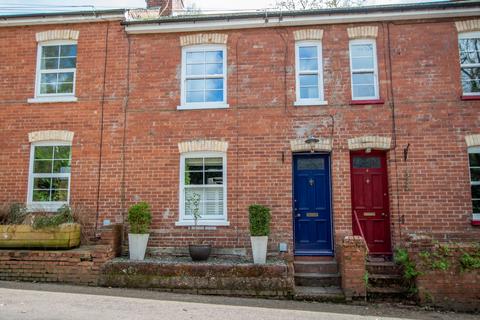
{"type": "Point", "coordinates": [309, 78]}
{"type": "Point", "coordinates": [204, 77]}
{"type": "Point", "coordinates": [56, 68]}
{"type": "Point", "coordinates": [363, 68]}
{"type": "Point", "coordinates": [469, 46]}
{"type": "Point", "coordinates": [203, 188]}
{"type": "Point", "coordinates": [49, 182]}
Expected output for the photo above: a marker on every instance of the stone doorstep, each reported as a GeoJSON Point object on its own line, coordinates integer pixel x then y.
{"type": "Point", "coordinates": [326, 267]}
{"type": "Point", "coordinates": [321, 294]}
{"type": "Point", "coordinates": [317, 279]}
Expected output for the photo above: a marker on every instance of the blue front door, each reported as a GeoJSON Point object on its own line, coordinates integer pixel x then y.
{"type": "Point", "coordinates": [312, 204]}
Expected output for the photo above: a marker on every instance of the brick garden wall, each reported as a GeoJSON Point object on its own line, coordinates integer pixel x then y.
{"type": "Point", "coordinates": [452, 287]}
{"type": "Point", "coordinates": [429, 191]}
{"type": "Point", "coordinates": [81, 266]}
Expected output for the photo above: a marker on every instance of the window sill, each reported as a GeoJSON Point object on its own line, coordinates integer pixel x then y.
{"type": "Point", "coordinates": [45, 207]}
{"type": "Point", "coordinates": [475, 219]}
{"type": "Point", "coordinates": [203, 106]}
{"type": "Point", "coordinates": [372, 101]}
{"type": "Point", "coordinates": [52, 99]}
{"type": "Point", "coordinates": [216, 223]}
{"type": "Point", "coordinates": [470, 97]}
{"type": "Point", "coordinates": [299, 103]}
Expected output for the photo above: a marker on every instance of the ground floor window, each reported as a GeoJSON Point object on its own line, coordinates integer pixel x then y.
{"type": "Point", "coordinates": [203, 188]}
{"type": "Point", "coordinates": [474, 163]}
{"type": "Point", "coordinates": [49, 176]}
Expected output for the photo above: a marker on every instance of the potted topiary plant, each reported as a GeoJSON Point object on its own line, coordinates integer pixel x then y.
{"type": "Point", "coordinates": [199, 251]}
{"type": "Point", "coordinates": [139, 218]}
{"type": "Point", "coordinates": [259, 218]}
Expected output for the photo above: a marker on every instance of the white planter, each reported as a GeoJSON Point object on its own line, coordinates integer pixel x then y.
{"type": "Point", "coordinates": [137, 245]}
{"type": "Point", "coordinates": [259, 249]}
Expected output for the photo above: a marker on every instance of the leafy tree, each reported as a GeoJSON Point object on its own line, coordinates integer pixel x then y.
{"type": "Point", "coordinates": [316, 4]}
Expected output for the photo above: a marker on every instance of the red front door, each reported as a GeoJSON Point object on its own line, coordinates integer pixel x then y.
{"type": "Point", "coordinates": [370, 204]}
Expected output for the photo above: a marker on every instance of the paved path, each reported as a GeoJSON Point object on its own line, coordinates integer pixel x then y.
{"type": "Point", "coordinates": [52, 302]}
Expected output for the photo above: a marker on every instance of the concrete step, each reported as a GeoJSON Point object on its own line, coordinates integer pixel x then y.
{"type": "Point", "coordinates": [383, 268]}
{"type": "Point", "coordinates": [323, 294]}
{"type": "Point", "coordinates": [317, 279]}
{"type": "Point", "coordinates": [327, 267]}
{"type": "Point", "coordinates": [389, 290]}
{"type": "Point", "coordinates": [390, 294]}
{"type": "Point", "coordinates": [385, 280]}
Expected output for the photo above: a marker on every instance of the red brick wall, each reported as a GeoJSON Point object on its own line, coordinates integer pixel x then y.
{"type": "Point", "coordinates": [452, 288]}
{"type": "Point", "coordinates": [352, 267]}
{"type": "Point", "coordinates": [77, 266]}
{"type": "Point", "coordinates": [258, 126]}
{"type": "Point", "coordinates": [18, 117]}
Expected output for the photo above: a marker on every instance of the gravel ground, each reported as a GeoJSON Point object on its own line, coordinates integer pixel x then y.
{"type": "Point", "coordinates": [188, 260]}
{"type": "Point", "coordinates": [21, 300]}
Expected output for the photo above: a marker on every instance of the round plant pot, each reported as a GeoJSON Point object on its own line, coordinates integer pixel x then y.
{"type": "Point", "coordinates": [137, 245]}
{"type": "Point", "coordinates": [259, 249]}
{"type": "Point", "coordinates": [199, 252]}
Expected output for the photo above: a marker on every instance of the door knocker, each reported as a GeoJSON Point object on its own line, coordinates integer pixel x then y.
{"type": "Point", "coordinates": [311, 182]}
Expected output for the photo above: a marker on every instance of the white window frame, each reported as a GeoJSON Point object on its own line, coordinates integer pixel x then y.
{"type": "Point", "coordinates": [468, 35]}
{"type": "Point", "coordinates": [212, 221]}
{"type": "Point", "coordinates": [48, 206]}
{"type": "Point", "coordinates": [309, 102]}
{"type": "Point", "coordinates": [53, 97]}
{"type": "Point", "coordinates": [373, 42]}
{"type": "Point", "coordinates": [475, 215]}
{"type": "Point", "coordinates": [202, 105]}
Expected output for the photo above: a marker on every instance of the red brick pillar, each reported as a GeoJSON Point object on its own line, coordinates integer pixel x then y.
{"type": "Point", "coordinates": [353, 268]}
{"type": "Point", "coordinates": [111, 235]}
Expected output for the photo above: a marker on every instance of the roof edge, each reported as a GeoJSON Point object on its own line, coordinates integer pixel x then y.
{"type": "Point", "coordinates": [62, 17]}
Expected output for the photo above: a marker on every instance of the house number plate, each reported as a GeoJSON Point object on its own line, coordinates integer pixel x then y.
{"type": "Point", "coordinates": [312, 214]}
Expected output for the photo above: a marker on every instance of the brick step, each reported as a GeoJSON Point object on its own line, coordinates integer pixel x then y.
{"type": "Point", "coordinates": [321, 294]}
{"type": "Point", "coordinates": [317, 279]}
{"type": "Point", "coordinates": [326, 267]}
{"type": "Point", "coordinates": [384, 280]}
{"type": "Point", "coordinates": [383, 268]}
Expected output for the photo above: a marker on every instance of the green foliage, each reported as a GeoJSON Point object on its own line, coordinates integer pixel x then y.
{"type": "Point", "coordinates": [63, 215]}
{"type": "Point", "coordinates": [259, 217]}
{"type": "Point", "coordinates": [13, 213]}
{"type": "Point", "coordinates": [366, 277]}
{"type": "Point", "coordinates": [139, 217]}
{"type": "Point", "coordinates": [409, 268]}
{"type": "Point", "coordinates": [470, 261]}
{"type": "Point", "coordinates": [437, 259]}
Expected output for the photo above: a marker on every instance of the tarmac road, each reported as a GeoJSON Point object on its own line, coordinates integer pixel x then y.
{"type": "Point", "coordinates": [62, 302]}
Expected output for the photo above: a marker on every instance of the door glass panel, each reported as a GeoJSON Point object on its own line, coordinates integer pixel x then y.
{"type": "Point", "coordinates": [310, 164]}
{"type": "Point", "coordinates": [366, 162]}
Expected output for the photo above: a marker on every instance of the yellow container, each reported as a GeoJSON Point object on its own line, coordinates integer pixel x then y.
{"type": "Point", "coordinates": [65, 236]}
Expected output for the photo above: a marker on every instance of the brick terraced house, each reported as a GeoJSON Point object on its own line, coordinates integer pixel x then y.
{"type": "Point", "coordinates": [354, 121]}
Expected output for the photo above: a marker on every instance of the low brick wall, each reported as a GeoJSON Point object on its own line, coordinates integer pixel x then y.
{"type": "Point", "coordinates": [353, 253]}
{"type": "Point", "coordinates": [76, 266]}
{"type": "Point", "coordinates": [451, 288]}
{"type": "Point", "coordinates": [217, 276]}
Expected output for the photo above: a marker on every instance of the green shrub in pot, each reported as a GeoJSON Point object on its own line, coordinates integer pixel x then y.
{"type": "Point", "coordinates": [139, 218]}
{"type": "Point", "coordinates": [259, 218]}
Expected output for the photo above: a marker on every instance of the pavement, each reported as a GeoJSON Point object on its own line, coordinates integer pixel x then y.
{"type": "Point", "coordinates": [35, 301]}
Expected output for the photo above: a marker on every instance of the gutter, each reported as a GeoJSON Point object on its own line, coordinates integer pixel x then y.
{"type": "Point", "coordinates": [302, 18]}
{"type": "Point", "coordinates": [61, 18]}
